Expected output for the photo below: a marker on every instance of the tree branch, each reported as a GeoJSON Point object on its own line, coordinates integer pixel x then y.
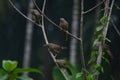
{"type": "Point", "coordinates": [55, 23]}
{"type": "Point", "coordinates": [81, 42]}
{"type": "Point", "coordinates": [23, 14]}
{"type": "Point", "coordinates": [93, 7]}
{"type": "Point", "coordinates": [46, 40]}
{"type": "Point", "coordinates": [108, 19]}
{"type": "Point", "coordinates": [81, 35]}
{"type": "Point", "coordinates": [115, 27]}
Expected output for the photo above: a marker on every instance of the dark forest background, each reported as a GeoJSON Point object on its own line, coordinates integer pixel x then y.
{"type": "Point", "coordinates": [13, 26]}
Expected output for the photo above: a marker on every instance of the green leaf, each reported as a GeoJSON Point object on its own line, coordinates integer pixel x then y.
{"type": "Point", "coordinates": [25, 78]}
{"type": "Point", "coordinates": [2, 71]}
{"type": "Point", "coordinates": [107, 39]}
{"type": "Point", "coordinates": [12, 76]}
{"type": "Point", "coordinates": [79, 75]}
{"type": "Point", "coordinates": [100, 37]}
{"type": "Point", "coordinates": [106, 60]}
{"type": "Point", "coordinates": [99, 28]}
{"type": "Point", "coordinates": [95, 42]}
{"type": "Point", "coordinates": [90, 77]}
{"type": "Point", "coordinates": [72, 68]}
{"type": "Point", "coordinates": [3, 75]}
{"type": "Point", "coordinates": [9, 65]}
{"type": "Point", "coordinates": [96, 73]}
{"type": "Point", "coordinates": [99, 68]}
{"type": "Point", "coordinates": [74, 72]}
{"type": "Point", "coordinates": [21, 70]}
{"type": "Point", "coordinates": [57, 74]}
{"type": "Point", "coordinates": [103, 19]}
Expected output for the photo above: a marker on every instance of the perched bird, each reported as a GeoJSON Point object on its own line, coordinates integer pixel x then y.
{"type": "Point", "coordinates": [63, 64]}
{"type": "Point", "coordinates": [107, 50]}
{"type": "Point", "coordinates": [36, 16]}
{"type": "Point", "coordinates": [64, 25]}
{"type": "Point", "coordinates": [54, 48]}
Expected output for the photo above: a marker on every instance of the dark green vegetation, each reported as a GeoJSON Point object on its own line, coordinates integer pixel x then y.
{"type": "Point", "coordinates": [9, 71]}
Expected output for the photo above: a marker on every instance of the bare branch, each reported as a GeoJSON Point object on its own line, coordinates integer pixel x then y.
{"type": "Point", "coordinates": [43, 30]}
{"type": "Point", "coordinates": [46, 40]}
{"type": "Point", "coordinates": [115, 27]}
{"type": "Point", "coordinates": [55, 23]}
{"type": "Point", "coordinates": [93, 7]}
{"type": "Point", "coordinates": [23, 14]}
{"type": "Point", "coordinates": [81, 35]}
{"type": "Point", "coordinates": [81, 42]}
{"type": "Point", "coordinates": [108, 19]}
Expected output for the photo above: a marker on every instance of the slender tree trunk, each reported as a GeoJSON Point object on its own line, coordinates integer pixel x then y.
{"type": "Point", "coordinates": [97, 13]}
{"type": "Point", "coordinates": [28, 38]}
{"type": "Point", "coordinates": [75, 24]}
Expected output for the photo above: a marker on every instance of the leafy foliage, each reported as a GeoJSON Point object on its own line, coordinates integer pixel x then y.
{"type": "Point", "coordinates": [10, 71]}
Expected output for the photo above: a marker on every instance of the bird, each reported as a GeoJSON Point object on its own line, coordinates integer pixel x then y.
{"type": "Point", "coordinates": [64, 26]}
{"type": "Point", "coordinates": [107, 50]}
{"type": "Point", "coordinates": [54, 48]}
{"type": "Point", "coordinates": [36, 16]}
{"type": "Point", "coordinates": [63, 64]}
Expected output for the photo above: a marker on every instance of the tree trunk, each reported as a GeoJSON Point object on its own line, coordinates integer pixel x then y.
{"type": "Point", "coordinates": [75, 22]}
{"type": "Point", "coordinates": [28, 38]}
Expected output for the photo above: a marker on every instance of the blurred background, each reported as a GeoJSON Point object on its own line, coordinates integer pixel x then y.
{"type": "Point", "coordinates": [13, 35]}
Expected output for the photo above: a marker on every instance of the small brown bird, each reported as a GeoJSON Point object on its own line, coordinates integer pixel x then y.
{"type": "Point", "coordinates": [64, 25]}
{"type": "Point", "coordinates": [36, 16]}
{"type": "Point", "coordinates": [63, 64]}
{"type": "Point", "coordinates": [54, 48]}
{"type": "Point", "coordinates": [107, 50]}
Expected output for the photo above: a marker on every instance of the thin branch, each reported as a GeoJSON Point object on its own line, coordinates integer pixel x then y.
{"type": "Point", "coordinates": [81, 42]}
{"type": "Point", "coordinates": [43, 29]}
{"type": "Point", "coordinates": [93, 7]}
{"type": "Point", "coordinates": [55, 23]}
{"type": "Point", "coordinates": [46, 40]}
{"type": "Point", "coordinates": [108, 20]}
{"type": "Point", "coordinates": [23, 14]}
{"type": "Point", "coordinates": [81, 34]}
{"type": "Point", "coordinates": [115, 27]}
{"type": "Point", "coordinates": [107, 13]}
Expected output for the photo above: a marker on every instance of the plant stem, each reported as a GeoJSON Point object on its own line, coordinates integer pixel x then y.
{"type": "Point", "coordinates": [81, 42]}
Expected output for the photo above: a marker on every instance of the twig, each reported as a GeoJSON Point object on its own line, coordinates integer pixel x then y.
{"type": "Point", "coordinates": [93, 7]}
{"type": "Point", "coordinates": [55, 23]}
{"type": "Point", "coordinates": [81, 42]}
{"type": "Point", "coordinates": [23, 14]}
{"type": "Point", "coordinates": [115, 27]}
{"type": "Point", "coordinates": [81, 35]}
{"type": "Point", "coordinates": [46, 40]}
{"type": "Point", "coordinates": [108, 19]}
{"type": "Point", "coordinates": [43, 29]}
